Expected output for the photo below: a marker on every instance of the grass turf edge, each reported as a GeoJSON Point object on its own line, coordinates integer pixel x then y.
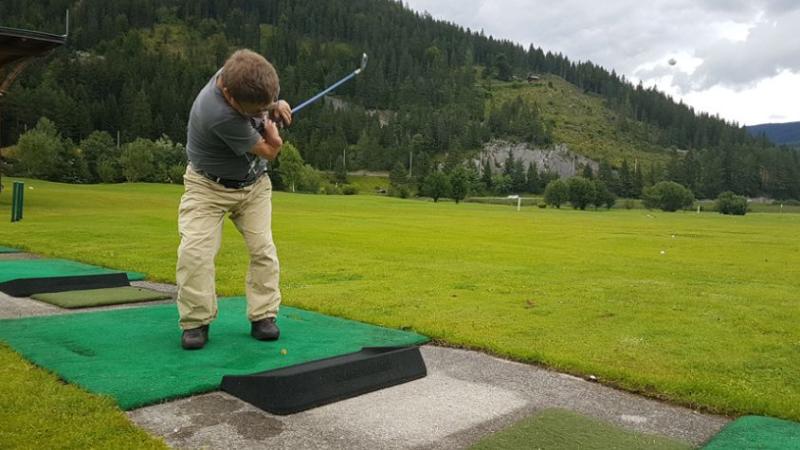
{"type": "Point", "coordinates": [556, 429]}
{"type": "Point", "coordinates": [38, 410]}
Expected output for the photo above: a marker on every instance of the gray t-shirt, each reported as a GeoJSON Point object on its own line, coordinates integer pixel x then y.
{"type": "Point", "coordinates": [219, 138]}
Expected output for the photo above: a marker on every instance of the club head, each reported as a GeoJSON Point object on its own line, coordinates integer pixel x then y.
{"type": "Point", "coordinates": [363, 63]}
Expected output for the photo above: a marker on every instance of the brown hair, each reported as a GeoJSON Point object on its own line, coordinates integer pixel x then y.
{"type": "Point", "coordinates": [250, 78]}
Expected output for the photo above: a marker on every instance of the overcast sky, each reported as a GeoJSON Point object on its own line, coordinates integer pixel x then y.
{"type": "Point", "coordinates": [736, 58]}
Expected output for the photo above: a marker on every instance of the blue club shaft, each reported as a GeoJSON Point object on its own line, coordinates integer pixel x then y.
{"type": "Point", "coordinates": [313, 99]}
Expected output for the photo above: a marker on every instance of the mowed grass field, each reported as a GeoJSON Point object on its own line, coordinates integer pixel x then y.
{"type": "Point", "coordinates": [700, 309]}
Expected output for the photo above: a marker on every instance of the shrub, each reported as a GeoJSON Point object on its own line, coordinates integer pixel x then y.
{"type": "Point", "coordinates": [138, 160]}
{"type": "Point", "coordinates": [108, 170]}
{"type": "Point", "coordinates": [331, 189]}
{"type": "Point", "coordinates": [603, 196]}
{"type": "Point", "coordinates": [310, 180]}
{"type": "Point", "coordinates": [667, 196]}
{"type": "Point", "coordinates": [556, 193]}
{"type": "Point", "coordinates": [629, 203]}
{"type": "Point", "coordinates": [175, 173]}
{"type": "Point", "coordinates": [730, 203]}
{"type": "Point", "coordinates": [581, 192]}
{"type": "Point", "coordinates": [349, 189]}
{"type": "Point", "coordinates": [39, 151]}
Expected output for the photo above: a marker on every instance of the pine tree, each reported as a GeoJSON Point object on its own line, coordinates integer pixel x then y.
{"type": "Point", "coordinates": [625, 180]}
{"type": "Point", "coordinates": [532, 179]}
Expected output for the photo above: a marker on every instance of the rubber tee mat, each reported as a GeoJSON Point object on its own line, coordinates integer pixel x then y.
{"type": "Point", "coordinates": [98, 297]}
{"type": "Point", "coordinates": [134, 355]}
{"type": "Point", "coordinates": [47, 268]}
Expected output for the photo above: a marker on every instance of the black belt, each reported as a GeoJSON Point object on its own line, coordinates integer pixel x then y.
{"type": "Point", "coordinates": [229, 183]}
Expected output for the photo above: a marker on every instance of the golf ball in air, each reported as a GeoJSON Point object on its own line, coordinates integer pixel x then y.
{"type": "Point", "coordinates": [663, 252]}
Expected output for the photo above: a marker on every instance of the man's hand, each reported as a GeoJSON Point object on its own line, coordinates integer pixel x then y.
{"type": "Point", "coordinates": [281, 113]}
{"type": "Point", "coordinates": [270, 145]}
{"type": "Point", "coordinates": [271, 135]}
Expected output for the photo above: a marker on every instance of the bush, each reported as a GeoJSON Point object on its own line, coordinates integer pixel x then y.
{"type": "Point", "coordinates": [331, 189]}
{"type": "Point", "coordinates": [39, 151]}
{"type": "Point", "coordinates": [603, 196]}
{"type": "Point", "coordinates": [556, 193]}
{"type": "Point", "coordinates": [730, 203]}
{"type": "Point", "coordinates": [349, 189]}
{"type": "Point", "coordinates": [401, 191]}
{"type": "Point", "coordinates": [108, 170]}
{"type": "Point", "coordinates": [310, 180]}
{"type": "Point", "coordinates": [629, 203]}
{"type": "Point", "coordinates": [581, 192]}
{"type": "Point", "coordinates": [667, 196]}
{"type": "Point", "coordinates": [175, 173]}
{"type": "Point", "coordinates": [138, 161]}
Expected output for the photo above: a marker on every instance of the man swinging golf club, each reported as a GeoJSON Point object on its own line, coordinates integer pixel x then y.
{"type": "Point", "coordinates": [226, 174]}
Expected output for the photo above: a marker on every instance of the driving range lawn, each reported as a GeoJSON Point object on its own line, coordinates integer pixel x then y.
{"type": "Point", "coordinates": [37, 410]}
{"type": "Point", "coordinates": [701, 309]}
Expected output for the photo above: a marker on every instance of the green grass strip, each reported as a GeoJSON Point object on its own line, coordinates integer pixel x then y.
{"type": "Point", "coordinates": [8, 250]}
{"type": "Point", "coordinates": [555, 429]}
{"type": "Point", "coordinates": [47, 268]}
{"type": "Point", "coordinates": [134, 355]}
{"type": "Point", "coordinates": [757, 432]}
{"type": "Point", "coordinates": [39, 411]}
{"type": "Point", "coordinates": [98, 297]}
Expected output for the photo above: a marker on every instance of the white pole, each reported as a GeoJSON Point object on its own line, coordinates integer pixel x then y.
{"type": "Point", "coordinates": [519, 203]}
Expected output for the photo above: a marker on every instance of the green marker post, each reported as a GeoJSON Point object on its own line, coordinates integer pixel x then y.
{"type": "Point", "coordinates": [17, 201]}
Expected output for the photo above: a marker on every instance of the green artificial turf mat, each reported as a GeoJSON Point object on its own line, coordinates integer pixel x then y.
{"type": "Point", "coordinates": [757, 432]}
{"type": "Point", "coordinates": [134, 355]}
{"type": "Point", "coordinates": [48, 268]}
{"type": "Point", "coordinates": [8, 250]}
{"type": "Point", "coordinates": [97, 297]}
{"type": "Point", "coordinates": [555, 429]}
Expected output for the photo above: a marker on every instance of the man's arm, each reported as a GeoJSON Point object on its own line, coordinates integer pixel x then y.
{"type": "Point", "coordinates": [270, 145]}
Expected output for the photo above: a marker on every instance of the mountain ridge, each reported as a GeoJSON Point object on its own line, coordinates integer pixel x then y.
{"type": "Point", "coordinates": [781, 133]}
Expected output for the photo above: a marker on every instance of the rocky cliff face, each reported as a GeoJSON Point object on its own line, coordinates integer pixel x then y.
{"type": "Point", "coordinates": [558, 159]}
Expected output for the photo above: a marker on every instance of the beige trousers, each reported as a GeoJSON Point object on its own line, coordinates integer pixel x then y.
{"type": "Point", "coordinates": [202, 210]}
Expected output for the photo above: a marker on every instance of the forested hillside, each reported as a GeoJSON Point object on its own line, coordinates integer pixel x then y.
{"type": "Point", "coordinates": [779, 133]}
{"type": "Point", "coordinates": [132, 67]}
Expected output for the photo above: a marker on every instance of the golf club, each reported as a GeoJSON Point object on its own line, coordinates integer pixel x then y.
{"type": "Point", "coordinates": [313, 99]}
{"type": "Point", "coordinates": [258, 124]}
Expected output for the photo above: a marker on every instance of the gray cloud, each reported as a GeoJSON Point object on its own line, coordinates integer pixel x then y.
{"type": "Point", "coordinates": [771, 46]}
{"type": "Point", "coordinates": [626, 34]}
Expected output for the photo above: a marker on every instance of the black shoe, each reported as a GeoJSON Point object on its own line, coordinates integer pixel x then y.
{"type": "Point", "coordinates": [265, 329]}
{"type": "Point", "coordinates": [195, 338]}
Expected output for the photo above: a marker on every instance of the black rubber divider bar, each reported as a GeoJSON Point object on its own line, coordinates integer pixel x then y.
{"type": "Point", "coordinates": [24, 287]}
{"type": "Point", "coordinates": [304, 386]}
